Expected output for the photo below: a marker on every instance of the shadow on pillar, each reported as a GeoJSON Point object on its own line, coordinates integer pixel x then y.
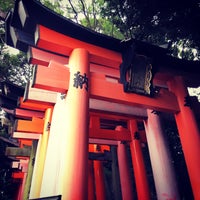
{"type": "Point", "coordinates": [147, 163]}
{"type": "Point", "coordinates": [149, 172]}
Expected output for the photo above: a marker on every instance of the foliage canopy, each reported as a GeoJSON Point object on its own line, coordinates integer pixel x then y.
{"type": "Point", "coordinates": [173, 24]}
{"type": "Point", "coordinates": [158, 22]}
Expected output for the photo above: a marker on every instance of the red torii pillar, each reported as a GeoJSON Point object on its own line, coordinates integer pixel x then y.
{"type": "Point", "coordinates": [124, 170]}
{"type": "Point", "coordinates": [40, 157]}
{"type": "Point", "coordinates": [141, 181]}
{"type": "Point", "coordinates": [98, 171]}
{"type": "Point", "coordinates": [74, 168]}
{"type": "Point", "coordinates": [49, 185]}
{"type": "Point", "coordinates": [99, 180]}
{"type": "Point", "coordinates": [163, 171]}
{"type": "Point", "coordinates": [189, 134]}
{"type": "Point", "coordinates": [66, 164]}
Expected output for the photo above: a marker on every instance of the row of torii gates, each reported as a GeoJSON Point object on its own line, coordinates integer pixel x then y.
{"type": "Point", "coordinates": [75, 86]}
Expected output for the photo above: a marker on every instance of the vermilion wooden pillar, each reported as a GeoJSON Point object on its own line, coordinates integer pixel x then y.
{"type": "Point", "coordinates": [189, 134]}
{"type": "Point", "coordinates": [124, 170]}
{"type": "Point", "coordinates": [52, 165]}
{"type": "Point", "coordinates": [74, 167]}
{"type": "Point", "coordinates": [99, 180]}
{"type": "Point", "coordinates": [21, 192]}
{"type": "Point", "coordinates": [141, 181]}
{"type": "Point", "coordinates": [91, 187]}
{"type": "Point", "coordinates": [66, 163]}
{"type": "Point", "coordinates": [40, 157]}
{"type": "Point", "coordinates": [31, 165]}
{"type": "Point", "coordinates": [163, 171]}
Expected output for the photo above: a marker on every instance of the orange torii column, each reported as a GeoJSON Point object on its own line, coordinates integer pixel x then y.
{"type": "Point", "coordinates": [163, 171]}
{"type": "Point", "coordinates": [189, 134]}
{"type": "Point", "coordinates": [40, 157]}
{"type": "Point", "coordinates": [141, 181]}
{"type": "Point", "coordinates": [67, 151]}
{"type": "Point", "coordinates": [100, 189]}
{"type": "Point", "coordinates": [99, 180]}
{"type": "Point", "coordinates": [74, 166]}
{"type": "Point", "coordinates": [124, 170]}
{"type": "Point", "coordinates": [51, 172]}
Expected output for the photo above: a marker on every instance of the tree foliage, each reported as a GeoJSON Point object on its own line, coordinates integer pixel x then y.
{"type": "Point", "coordinates": [5, 6]}
{"type": "Point", "coordinates": [13, 67]}
{"type": "Point", "coordinates": [174, 24]}
{"type": "Point", "coordinates": [86, 13]}
{"type": "Point", "coordinates": [159, 22]}
{"type": "Point", "coordinates": [56, 6]}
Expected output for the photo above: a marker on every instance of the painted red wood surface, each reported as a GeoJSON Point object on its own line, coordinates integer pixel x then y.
{"type": "Point", "coordinates": [28, 114]}
{"type": "Point", "coordinates": [55, 77]}
{"type": "Point", "coordinates": [98, 148]}
{"type": "Point", "coordinates": [24, 142]}
{"type": "Point", "coordinates": [18, 175]}
{"type": "Point", "coordinates": [99, 180]}
{"type": "Point", "coordinates": [34, 105]}
{"type": "Point", "coordinates": [124, 170]}
{"type": "Point", "coordinates": [36, 125]}
{"type": "Point", "coordinates": [96, 132]}
{"type": "Point", "coordinates": [42, 57]}
{"type": "Point", "coordinates": [141, 181]}
{"type": "Point", "coordinates": [161, 161]}
{"type": "Point", "coordinates": [61, 44]}
{"type": "Point", "coordinates": [75, 131]}
{"type": "Point", "coordinates": [101, 89]}
{"type": "Point", "coordinates": [189, 134]}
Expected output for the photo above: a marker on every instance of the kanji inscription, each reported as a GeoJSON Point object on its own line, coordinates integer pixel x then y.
{"type": "Point", "coordinates": [80, 80]}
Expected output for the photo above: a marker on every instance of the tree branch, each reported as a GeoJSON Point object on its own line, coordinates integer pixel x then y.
{"type": "Point", "coordinates": [75, 13]}
{"type": "Point", "coordinates": [85, 14]}
{"type": "Point", "coordinates": [94, 14]}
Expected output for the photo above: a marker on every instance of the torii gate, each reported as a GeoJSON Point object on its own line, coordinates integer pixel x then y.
{"type": "Point", "coordinates": [84, 67]}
